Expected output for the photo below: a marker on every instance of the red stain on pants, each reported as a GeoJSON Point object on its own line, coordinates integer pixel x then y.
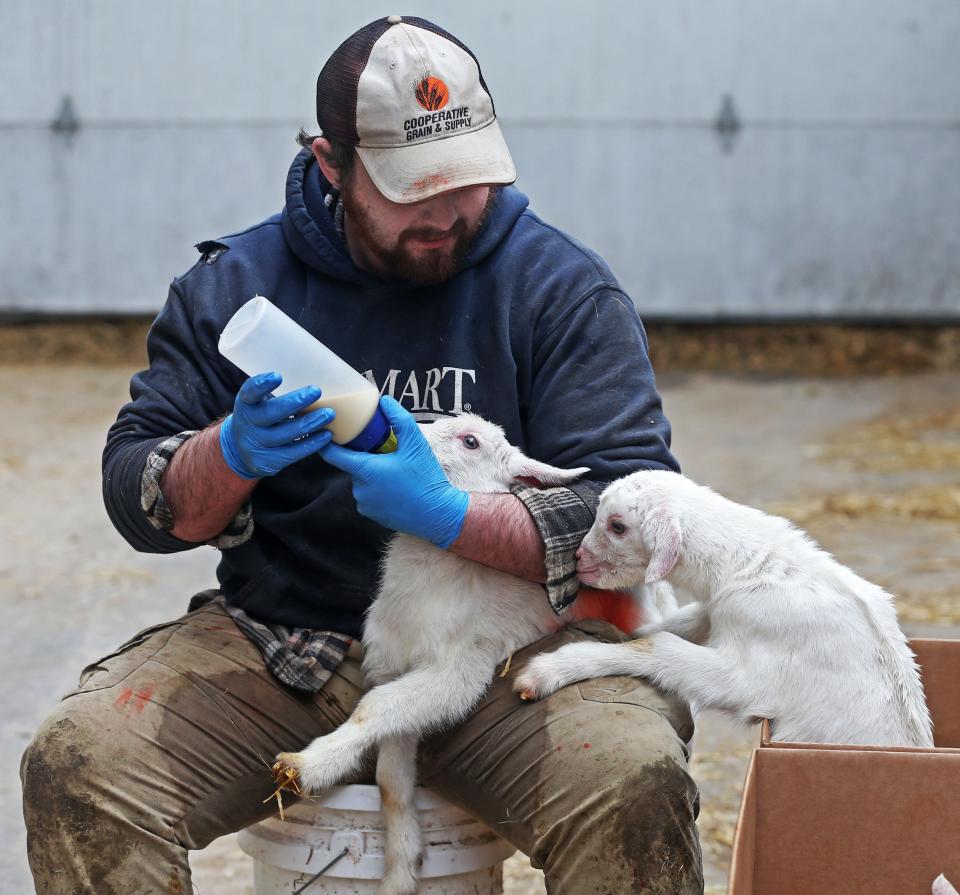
{"type": "Point", "coordinates": [134, 702]}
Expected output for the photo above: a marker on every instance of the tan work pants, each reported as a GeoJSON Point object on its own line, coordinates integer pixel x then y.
{"type": "Point", "coordinates": [167, 744]}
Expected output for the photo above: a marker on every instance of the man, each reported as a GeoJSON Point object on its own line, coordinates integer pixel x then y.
{"type": "Point", "coordinates": [402, 248]}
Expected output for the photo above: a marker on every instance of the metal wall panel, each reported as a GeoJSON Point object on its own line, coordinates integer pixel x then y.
{"type": "Point", "coordinates": [839, 195]}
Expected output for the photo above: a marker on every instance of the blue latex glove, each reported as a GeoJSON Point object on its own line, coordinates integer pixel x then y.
{"type": "Point", "coordinates": [259, 438]}
{"type": "Point", "coordinates": [405, 490]}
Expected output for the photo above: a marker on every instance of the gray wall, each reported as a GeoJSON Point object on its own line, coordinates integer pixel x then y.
{"type": "Point", "coordinates": [839, 195]}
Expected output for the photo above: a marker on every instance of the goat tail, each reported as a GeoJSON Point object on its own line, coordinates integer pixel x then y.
{"type": "Point", "coordinates": [899, 664]}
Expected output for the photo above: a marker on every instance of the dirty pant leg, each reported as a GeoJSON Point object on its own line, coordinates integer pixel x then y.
{"type": "Point", "coordinates": [165, 746]}
{"type": "Point", "coordinates": [592, 783]}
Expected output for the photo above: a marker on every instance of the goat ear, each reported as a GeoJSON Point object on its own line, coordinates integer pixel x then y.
{"type": "Point", "coordinates": [537, 474]}
{"type": "Point", "coordinates": [665, 536]}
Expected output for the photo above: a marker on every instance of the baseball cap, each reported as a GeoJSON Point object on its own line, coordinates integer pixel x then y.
{"type": "Point", "coordinates": [412, 100]}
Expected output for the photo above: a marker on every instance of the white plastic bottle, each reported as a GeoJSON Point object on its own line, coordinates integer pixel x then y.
{"type": "Point", "coordinates": [260, 338]}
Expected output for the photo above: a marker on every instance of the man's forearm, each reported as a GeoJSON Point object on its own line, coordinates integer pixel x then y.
{"type": "Point", "coordinates": [202, 492]}
{"type": "Point", "coordinates": [498, 531]}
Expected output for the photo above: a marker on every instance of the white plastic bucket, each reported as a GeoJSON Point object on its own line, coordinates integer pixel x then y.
{"type": "Point", "coordinates": [460, 855]}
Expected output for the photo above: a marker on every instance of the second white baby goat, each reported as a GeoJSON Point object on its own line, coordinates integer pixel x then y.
{"type": "Point", "coordinates": [777, 629]}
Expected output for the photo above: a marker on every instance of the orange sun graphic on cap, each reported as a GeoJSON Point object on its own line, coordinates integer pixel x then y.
{"type": "Point", "coordinates": [431, 93]}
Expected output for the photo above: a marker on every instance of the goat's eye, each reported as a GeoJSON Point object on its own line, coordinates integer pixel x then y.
{"type": "Point", "coordinates": [617, 527]}
{"type": "Point", "coordinates": [470, 442]}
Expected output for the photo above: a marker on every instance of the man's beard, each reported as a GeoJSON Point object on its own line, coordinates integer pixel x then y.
{"type": "Point", "coordinates": [429, 268]}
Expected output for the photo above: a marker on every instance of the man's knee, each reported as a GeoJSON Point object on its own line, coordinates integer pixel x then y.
{"type": "Point", "coordinates": [63, 807]}
{"type": "Point", "coordinates": [56, 768]}
{"type": "Point", "coordinates": [630, 804]}
{"type": "Point", "coordinates": [634, 827]}
{"type": "Point", "coordinates": [89, 827]}
{"type": "Point", "coordinates": [641, 796]}
{"type": "Point", "coordinates": [654, 810]}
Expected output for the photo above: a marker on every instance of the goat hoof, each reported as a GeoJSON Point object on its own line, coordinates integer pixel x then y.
{"type": "Point", "coordinates": [286, 771]}
{"type": "Point", "coordinates": [538, 679]}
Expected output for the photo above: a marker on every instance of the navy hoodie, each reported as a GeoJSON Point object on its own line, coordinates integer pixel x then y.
{"type": "Point", "coordinates": [534, 333]}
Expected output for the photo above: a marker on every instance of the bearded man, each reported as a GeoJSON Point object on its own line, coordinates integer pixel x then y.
{"type": "Point", "coordinates": [404, 249]}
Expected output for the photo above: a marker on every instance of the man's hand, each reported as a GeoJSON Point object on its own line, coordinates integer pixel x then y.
{"type": "Point", "coordinates": [405, 490]}
{"type": "Point", "coordinates": [259, 438]}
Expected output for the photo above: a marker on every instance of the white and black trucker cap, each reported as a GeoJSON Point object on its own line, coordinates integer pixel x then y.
{"type": "Point", "coordinates": [412, 99]}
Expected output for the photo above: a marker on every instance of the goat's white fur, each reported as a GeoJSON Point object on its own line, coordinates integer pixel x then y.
{"type": "Point", "coordinates": [433, 638]}
{"type": "Point", "coordinates": [778, 629]}
{"type": "Point", "coordinates": [942, 886]}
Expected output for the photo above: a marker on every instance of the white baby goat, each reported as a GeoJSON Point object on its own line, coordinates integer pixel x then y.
{"type": "Point", "coordinates": [433, 638]}
{"type": "Point", "coordinates": [777, 629]}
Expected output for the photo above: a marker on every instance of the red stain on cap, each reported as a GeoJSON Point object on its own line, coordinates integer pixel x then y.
{"type": "Point", "coordinates": [429, 181]}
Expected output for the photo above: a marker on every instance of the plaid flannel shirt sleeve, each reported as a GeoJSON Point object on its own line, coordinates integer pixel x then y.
{"type": "Point", "coordinates": [158, 511]}
{"type": "Point", "coordinates": [563, 516]}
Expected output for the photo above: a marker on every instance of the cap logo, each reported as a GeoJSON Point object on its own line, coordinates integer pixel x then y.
{"type": "Point", "coordinates": [431, 93]}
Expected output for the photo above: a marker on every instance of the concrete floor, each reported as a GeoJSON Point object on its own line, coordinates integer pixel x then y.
{"type": "Point", "coordinates": [71, 589]}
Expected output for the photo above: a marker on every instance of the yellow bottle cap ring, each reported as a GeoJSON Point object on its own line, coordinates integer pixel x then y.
{"type": "Point", "coordinates": [389, 446]}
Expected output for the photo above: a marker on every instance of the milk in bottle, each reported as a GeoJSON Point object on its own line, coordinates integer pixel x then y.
{"type": "Point", "coordinates": [260, 338]}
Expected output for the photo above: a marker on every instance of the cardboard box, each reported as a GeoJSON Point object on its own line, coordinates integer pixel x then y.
{"type": "Point", "coordinates": [820, 819]}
